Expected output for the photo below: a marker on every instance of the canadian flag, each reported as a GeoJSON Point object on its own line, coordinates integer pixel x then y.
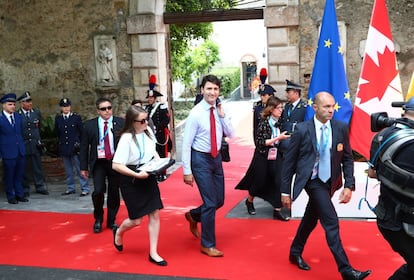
{"type": "Point", "coordinates": [379, 83]}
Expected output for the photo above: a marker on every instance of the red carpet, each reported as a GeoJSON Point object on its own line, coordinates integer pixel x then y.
{"type": "Point", "coordinates": [253, 248]}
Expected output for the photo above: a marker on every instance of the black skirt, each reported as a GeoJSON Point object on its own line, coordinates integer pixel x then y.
{"type": "Point", "coordinates": [263, 178]}
{"type": "Point", "coordinates": [141, 196]}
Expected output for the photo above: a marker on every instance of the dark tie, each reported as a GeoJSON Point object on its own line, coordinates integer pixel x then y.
{"type": "Point", "coordinates": [107, 146]}
{"type": "Point", "coordinates": [12, 120]}
{"type": "Point", "coordinates": [213, 136]}
{"type": "Point", "coordinates": [27, 115]}
{"type": "Point", "coordinates": [290, 108]}
{"type": "Point", "coordinates": [324, 170]}
{"type": "Point", "coordinates": [65, 117]}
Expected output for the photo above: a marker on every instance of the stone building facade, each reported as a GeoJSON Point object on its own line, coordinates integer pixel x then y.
{"type": "Point", "coordinates": [52, 47]}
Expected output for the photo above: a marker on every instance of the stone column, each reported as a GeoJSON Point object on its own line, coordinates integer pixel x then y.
{"type": "Point", "coordinates": [149, 44]}
{"type": "Point", "coordinates": [281, 18]}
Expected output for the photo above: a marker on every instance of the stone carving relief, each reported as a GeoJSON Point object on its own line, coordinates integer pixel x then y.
{"type": "Point", "coordinates": [106, 63]}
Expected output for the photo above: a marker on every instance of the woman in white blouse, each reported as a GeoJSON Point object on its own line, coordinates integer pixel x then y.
{"type": "Point", "coordinates": [139, 189]}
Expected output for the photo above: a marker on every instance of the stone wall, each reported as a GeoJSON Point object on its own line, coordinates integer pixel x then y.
{"type": "Point", "coordinates": [48, 49]}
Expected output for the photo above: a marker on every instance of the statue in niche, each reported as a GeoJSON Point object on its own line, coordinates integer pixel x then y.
{"type": "Point", "coordinates": [105, 60]}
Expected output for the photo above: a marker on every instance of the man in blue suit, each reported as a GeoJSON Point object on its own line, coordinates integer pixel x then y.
{"type": "Point", "coordinates": [319, 151]}
{"type": "Point", "coordinates": [12, 149]}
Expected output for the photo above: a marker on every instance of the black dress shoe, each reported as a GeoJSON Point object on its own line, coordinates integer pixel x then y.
{"type": "Point", "coordinates": [111, 225]}
{"type": "Point", "coordinates": [355, 274]}
{"type": "Point", "coordinates": [68, 192]}
{"type": "Point", "coordinates": [22, 199]}
{"type": "Point", "coordinates": [280, 215]}
{"type": "Point", "coordinates": [298, 260]}
{"type": "Point", "coordinates": [12, 201]}
{"type": "Point", "coordinates": [250, 207]}
{"type": "Point", "coordinates": [97, 227]}
{"type": "Point", "coordinates": [118, 247]}
{"type": "Point", "coordinates": [160, 263]}
{"type": "Point", "coordinates": [44, 192]}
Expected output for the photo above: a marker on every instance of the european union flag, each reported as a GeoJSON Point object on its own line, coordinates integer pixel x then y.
{"type": "Point", "coordinates": [328, 71]}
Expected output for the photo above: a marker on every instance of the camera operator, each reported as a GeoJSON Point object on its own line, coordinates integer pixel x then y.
{"type": "Point", "coordinates": [395, 171]}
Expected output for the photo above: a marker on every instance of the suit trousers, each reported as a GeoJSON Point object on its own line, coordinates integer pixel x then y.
{"type": "Point", "coordinates": [72, 169]}
{"type": "Point", "coordinates": [320, 207]}
{"type": "Point", "coordinates": [33, 170]}
{"type": "Point", "coordinates": [103, 172]}
{"type": "Point", "coordinates": [209, 176]}
{"type": "Point", "coordinates": [13, 176]}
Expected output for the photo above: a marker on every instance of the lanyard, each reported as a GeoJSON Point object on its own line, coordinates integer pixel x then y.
{"type": "Point", "coordinates": [141, 155]}
{"type": "Point", "coordinates": [275, 130]}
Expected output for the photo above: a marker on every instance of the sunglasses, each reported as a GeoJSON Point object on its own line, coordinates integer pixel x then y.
{"type": "Point", "coordinates": [105, 108]}
{"type": "Point", "coordinates": [143, 121]}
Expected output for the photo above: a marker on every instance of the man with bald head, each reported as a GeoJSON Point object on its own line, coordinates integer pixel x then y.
{"type": "Point", "coordinates": [319, 152]}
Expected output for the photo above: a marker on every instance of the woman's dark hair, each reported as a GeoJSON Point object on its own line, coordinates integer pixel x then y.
{"type": "Point", "coordinates": [133, 112]}
{"type": "Point", "coordinates": [271, 103]}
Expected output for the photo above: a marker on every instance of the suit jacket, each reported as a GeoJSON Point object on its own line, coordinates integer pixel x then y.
{"type": "Point", "coordinates": [31, 130]}
{"type": "Point", "coordinates": [68, 132]}
{"type": "Point", "coordinates": [90, 141]}
{"type": "Point", "coordinates": [11, 140]}
{"type": "Point", "coordinates": [297, 115]}
{"type": "Point", "coordinates": [301, 156]}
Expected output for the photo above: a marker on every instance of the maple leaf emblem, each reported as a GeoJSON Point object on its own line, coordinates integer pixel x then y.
{"type": "Point", "coordinates": [377, 77]}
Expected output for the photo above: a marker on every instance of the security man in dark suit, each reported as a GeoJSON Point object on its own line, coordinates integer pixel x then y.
{"type": "Point", "coordinates": [98, 144]}
{"type": "Point", "coordinates": [68, 128]}
{"type": "Point", "coordinates": [318, 153]}
{"type": "Point", "coordinates": [32, 120]}
{"type": "Point", "coordinates": [12, 149]}
{"type": "Point", "coordinates": [293, 112]}
{"type": "Point", "coordinates": [160, 116]}
{"type": "Point", "coordinates": [265, 91]}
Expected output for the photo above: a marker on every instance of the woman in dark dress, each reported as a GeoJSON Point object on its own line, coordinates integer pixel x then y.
{"type": "Point", "coordinates": [139, 189]}
{"type": "Point", "coordinates": [263, 177]}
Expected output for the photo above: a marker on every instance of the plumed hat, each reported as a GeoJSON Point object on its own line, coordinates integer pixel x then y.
{"type": "Point", "coordinates": [263, 88]}
{"type": "Point", "coordinates": [291, 85]}
{"type": "Point", "coordinates": [24, 97]}
{"type": "Point", "coordinates": [151, 91]}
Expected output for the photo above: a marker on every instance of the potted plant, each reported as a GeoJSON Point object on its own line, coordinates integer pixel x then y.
{"type": "Point", "coordinates": [52, 164]}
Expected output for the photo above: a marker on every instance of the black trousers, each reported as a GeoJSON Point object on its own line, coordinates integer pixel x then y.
{"type": "Point", "coordinates": [403, 245]}
{"type": "Point", "coordinates": [320, 207]}
{"type": "Point", "coordinates": [103, 173]}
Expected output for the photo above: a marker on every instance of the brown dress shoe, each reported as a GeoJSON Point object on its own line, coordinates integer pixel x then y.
{"type": "Point", "coordinates": [211, 252]}
{"type": "Point", "coordinates": [193, 224]}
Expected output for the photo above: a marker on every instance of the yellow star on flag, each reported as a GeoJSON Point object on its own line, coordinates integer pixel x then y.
{"type": "Point", "coordinates": [340, 50]}
{"type": "Point", "coordinates": [337, 107]}
{"type": "Point", "coordinates": [347, 95]}
{"type": "Point", "coordinates": [328, 43]}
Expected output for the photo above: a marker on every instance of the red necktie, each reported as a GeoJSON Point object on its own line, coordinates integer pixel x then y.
{"type": "Point", "coordinates": [107, 146]}
{"type": "Point", "coordinates": [213, 137]}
